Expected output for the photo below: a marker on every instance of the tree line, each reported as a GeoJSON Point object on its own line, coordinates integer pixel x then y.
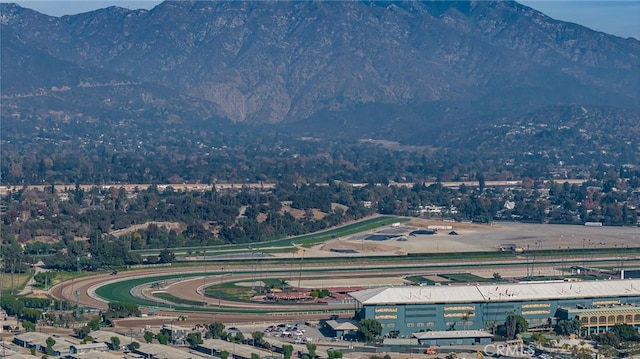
{"type": "Point", "coordinates": [83, 229]}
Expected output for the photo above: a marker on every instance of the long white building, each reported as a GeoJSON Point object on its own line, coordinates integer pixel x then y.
{"type": "Point", "coordinates": [413, 309]}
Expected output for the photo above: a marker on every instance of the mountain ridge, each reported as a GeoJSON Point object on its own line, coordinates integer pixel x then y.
{"type": "Point", "coordinates": [427, 64]}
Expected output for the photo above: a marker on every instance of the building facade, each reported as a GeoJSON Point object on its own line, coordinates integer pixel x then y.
{"type": "Point", "coordinates": [481, 307]}
{"type": "Point", "coordinates": [602, 317]}
{"type": "Point", "coordinates": [88, 348]}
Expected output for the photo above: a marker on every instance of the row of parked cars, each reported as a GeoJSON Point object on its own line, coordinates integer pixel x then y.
{"type": "Point", "coordinates": [293, 332]}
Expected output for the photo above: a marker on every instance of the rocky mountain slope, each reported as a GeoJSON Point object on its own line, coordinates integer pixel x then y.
{"type": "Point", "coordinates": [402, 70]}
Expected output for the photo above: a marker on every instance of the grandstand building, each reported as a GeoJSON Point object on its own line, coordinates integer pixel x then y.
{"type": "Point", "coordinates": [598, 304]}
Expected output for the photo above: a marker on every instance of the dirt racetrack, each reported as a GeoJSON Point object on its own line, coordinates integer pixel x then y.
{"type": "Point", "coordinates": [470, 237]}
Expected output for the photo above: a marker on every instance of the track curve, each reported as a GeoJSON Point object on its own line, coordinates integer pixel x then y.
{"type": "Point", "coordinates": [189, 280]}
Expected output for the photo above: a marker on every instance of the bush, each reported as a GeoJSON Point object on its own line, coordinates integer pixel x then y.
{"type": "Point", "coordinates": [28, 326]}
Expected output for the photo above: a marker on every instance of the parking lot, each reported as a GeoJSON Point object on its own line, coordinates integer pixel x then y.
{"type": "Point", "coordinates": [286, 332]}
{"type": "Point", "coordinates": [298, 334]}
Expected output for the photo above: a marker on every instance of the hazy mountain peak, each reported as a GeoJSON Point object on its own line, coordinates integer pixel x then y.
{"type": "Point", "coordinates": [422, 64]}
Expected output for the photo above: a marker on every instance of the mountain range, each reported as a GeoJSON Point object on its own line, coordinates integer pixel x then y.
{"type": "Point", "coordinates": [412, 71]}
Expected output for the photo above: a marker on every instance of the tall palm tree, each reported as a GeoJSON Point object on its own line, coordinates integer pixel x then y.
{"type": "Point", "coordinates": [465, 317]}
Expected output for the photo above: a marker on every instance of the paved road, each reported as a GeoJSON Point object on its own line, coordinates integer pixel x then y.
{"type": "Point", "coordinates": [221, 186]}
{"type": "Point", "coordinates": [28, 288]}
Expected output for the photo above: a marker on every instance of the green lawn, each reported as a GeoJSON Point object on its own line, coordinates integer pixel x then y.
{"type": "Point", "coordinates": [285, 244]}
{"type": "Point", "coordinates": [18, 283]}
{"type": "Point", "coordinates": [173, 299]}
{"type": "Point", "coordinates": [230, 291]}
{"type": "Point", "coordinates": [121, 291]}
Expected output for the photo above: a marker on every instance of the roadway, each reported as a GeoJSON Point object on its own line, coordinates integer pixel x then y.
{"type": "Point", "coordinates": [267, 185]}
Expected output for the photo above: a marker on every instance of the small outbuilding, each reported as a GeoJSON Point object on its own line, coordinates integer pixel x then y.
{"type": "Point", "coordinates": [453, 337]}
{"type": "Point", "coordinates": [341, 327]}
{"type": "Point", "coordinates": [88, 348]}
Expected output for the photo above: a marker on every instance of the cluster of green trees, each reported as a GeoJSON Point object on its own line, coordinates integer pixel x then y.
{"type": "Point", "coordinates": [30, 310]}
{"type": "Point", "coordinates": [620, 337]}
{"type": "Point", "coordinates": [93, 324]}
{"type": "Point", "coordinates": [320, 293]}
{"type": "Point", "coordinates": [231, 154]}
{"type": "Point", "coordinates": [369, 329]}
{"type": "Point", "coordinates": [247, 215]}
{"type": "Point", "coordinates": [74, 153]}
{"type": "Point", "coordinates": [105, 319]}
{"type": "Point", "coordinates": [50, 342]}
{"type": "Point", "coordinates": [45, 150]}
{"type": "Point", "coordinates": [122, 310]}
{"type": "Point", "coordinates": [216, 330]}
{"type": "Point", "coordinates": [24, 307]}
{"type": "Point", "coordinates": [568, 327]}
{"type": "Point", "coordinates": [618, 340]}
{"type": "Point", "coordinates": [96, 214]}
{"type": "Point", "coordinates": [609, 200]}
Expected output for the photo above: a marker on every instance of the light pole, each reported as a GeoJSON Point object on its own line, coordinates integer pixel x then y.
{"type": "Point", "coordinates": [171, 333]}
{"type": "Point", "coordinates": [584, 254]}
{"type": "Point", "coordinates": [590, 248]}
{"type": "Point", "coordinates": [78, 290]}
{"type": "Point", "coordinates": [254, 255]}
{"type": "Point", "coordinates": [293, 256]}
{"type": "Point", "coordinates": [204, 285]}
{"type": "Point", "coordinates": [253, 270]}
{"type": "Point", "coordinates": [77, 303]}
{"type": "Point", "coordinates": [300, 272]}
{"type": "Point", "coordinates": [61, 295]}
{"type": "Point", "coordinates": [220, 287]}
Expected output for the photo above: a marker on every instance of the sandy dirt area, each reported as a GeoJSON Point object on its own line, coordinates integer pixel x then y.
{"type": "Point", "coordinates": [471, 237]}
{"type": "Point", "coordinates": [144, 226]}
